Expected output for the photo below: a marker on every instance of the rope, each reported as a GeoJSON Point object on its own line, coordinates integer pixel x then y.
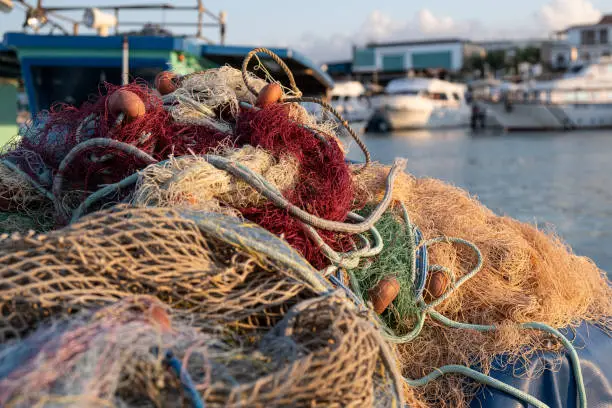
{"type": "Point", "coordinates": [262, 186]}
{"type": "Point", "coordinates": [97, 142]}
{"type": "Point", "coordinates": [573, 354]}
{"type": "Point", "coordinates": [276, 59]}
{"type": "Point", "coordinates": [428, 309]}
{"type": "Point", "coordinates": [176, 366]}
{"type": "Point", "coordinates": [454, 285]}
{"type": "Point", "coordinates": [348, 260]}
{"type": "Point", "coordinates": [343, 121]}
{"type": "Point", "coordinates": [29, 178]}
{"type": "Point", "coordinates": [103, 192]}
{"type": "Point", "coordinates": [299, 98]}
{"type": "Point", "coordinates": [480, 377]}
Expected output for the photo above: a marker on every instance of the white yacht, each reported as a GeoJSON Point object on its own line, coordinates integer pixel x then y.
{"type": "Point", "coordinates": [582, 98]}
{"type": "Point", "coordinates": [421, 103]}
{"type": "Point", "coordinates": [349, 99]}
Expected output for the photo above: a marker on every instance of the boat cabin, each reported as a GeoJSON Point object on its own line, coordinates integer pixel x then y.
{"type": "Point", "coordinates": [426, 88]}
{"type": "Point", "coordinates": [67, 68]}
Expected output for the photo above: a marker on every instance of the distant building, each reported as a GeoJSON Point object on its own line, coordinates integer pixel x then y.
{"type": "Point", "coordinates": [384, 61]}
{"type": "Point", "coordinates": [338, 69]}
{"type": "Point", "coordinates": [508, 45]}
{"type": "Point", "coordinates": [582, 43]}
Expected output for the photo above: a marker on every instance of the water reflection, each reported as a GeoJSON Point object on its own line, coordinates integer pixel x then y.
{"type": "Point", "coordinates": [556, 180]}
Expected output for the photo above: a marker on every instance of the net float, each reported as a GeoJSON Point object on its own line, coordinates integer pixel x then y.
{"type": "Point", "coordinates": [160, 317]}
{"type": "Point", "coordinates": [127, 102]}
{"type": "Point", "coordinates": [165, 82]}
{"type": "Point", "coordinates": [437, 284]}
{"type": "Point", "coordinates": [269, 94]}
{"type": "Point", "coordinates": [384, 293]}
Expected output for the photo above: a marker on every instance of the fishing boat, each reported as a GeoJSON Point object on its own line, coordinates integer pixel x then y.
{"type": "Point", "coordinates": [581, 99]}
{"type": "Point", "coordinates": [421, 103]}
{"type": "Point", "coordinates": [69, 67]}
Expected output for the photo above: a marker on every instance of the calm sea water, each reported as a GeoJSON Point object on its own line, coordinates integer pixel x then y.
{"type": "Point", "coordinates": [560, 181]}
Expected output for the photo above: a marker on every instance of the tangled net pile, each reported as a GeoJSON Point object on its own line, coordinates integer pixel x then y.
{"type": "Point", "coordinates": [212, 247]}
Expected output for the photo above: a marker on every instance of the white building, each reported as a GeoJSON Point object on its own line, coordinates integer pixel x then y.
{"type": "Point", "coordinates": [401, 57]}
{"type": "Point", "coordinates": [582, 43]}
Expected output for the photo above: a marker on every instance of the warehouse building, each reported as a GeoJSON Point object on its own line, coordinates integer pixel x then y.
{"type": "Point", "coordinates": [381, 62]}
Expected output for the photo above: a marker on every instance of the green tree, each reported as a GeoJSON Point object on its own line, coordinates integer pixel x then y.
{"type": "Point", "coordinates": [528, 54]}
{"type": "Point", "coordinates": [496, 59]}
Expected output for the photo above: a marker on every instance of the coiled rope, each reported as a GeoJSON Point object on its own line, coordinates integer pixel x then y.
{"type": "Point", "coordinates": [429, 310]}
{"type": "Point", "coordinates": [299, 98]}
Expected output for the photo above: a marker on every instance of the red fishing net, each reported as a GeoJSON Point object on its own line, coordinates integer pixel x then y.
{"type": "Point", "coordinates": [325, 188]}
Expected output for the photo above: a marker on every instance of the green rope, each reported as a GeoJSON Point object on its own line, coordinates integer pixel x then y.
{"type": "Point", "coordinates": [400, 237]}
{"type": "Point", "coordinates": [573, 354]}
{"type": "Point", "coordinates": [480, 377]}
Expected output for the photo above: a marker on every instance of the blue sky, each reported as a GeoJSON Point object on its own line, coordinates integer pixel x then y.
{"type": "Point", "coordinates": [326, 29]}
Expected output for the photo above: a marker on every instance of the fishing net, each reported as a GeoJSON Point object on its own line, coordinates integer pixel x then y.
{"type": "Point", "coordinates": [152, 251]}
{"type": "Point", "coordinates": [192, 181]}
{"type": "Point", "coordinates": [325, 188]}
{"type": "Point", "coordinates": [527, 275]}
{"type": "Point", "coordinates": [228, 284]}
{"type": "Point", "coordinates": [211, 98]}
{"type": "Point", "coordinates": [163, 295]}
{"type": "Point", "coordinates": [320, 354]}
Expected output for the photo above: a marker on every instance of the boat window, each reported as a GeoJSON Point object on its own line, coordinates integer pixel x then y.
{"type": "Point", "coordinates": [456, 96]}
{"type": "Point", "coordinates": [335, 98]}
{"type": "Point", "coordinates": [405, 92]}
{"type": "Point", "coordinates": [438, 96]}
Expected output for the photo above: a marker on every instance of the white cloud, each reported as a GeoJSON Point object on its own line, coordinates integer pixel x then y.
{"type": "Point", "coordinates": [429, 23]}
{"type": "Point", "coordinates": [559, 14]}
{"type": "Point", "coordinates": [379, 27]}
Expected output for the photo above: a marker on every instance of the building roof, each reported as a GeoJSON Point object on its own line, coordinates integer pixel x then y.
{"type": "Point", "coordinates": [606, 19]}
{"type": "Point", "coordinates": [419, 42]}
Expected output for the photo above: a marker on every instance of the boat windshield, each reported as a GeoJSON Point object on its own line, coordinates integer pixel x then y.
{"type": "Point", "coordinates": [412, 92]}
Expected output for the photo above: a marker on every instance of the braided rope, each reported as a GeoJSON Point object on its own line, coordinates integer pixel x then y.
{"type": "Point", "coordinates": [262, 186]}
{"type": "Point", "coordinates": [76, 151]}
{"type": "Point", "coordinates": [338, 116]}
{"type": "Point", "coordinates": [428, 310]}
{"type": "Point", "coordinates": [300, 98]}
{"type": "Point", "coordinates": [276, 59]}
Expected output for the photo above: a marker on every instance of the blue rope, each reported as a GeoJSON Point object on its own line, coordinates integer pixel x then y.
{"type": "Point", "coordinates": [176, 366]}
{"type": "Point", "coordinates": [421, 264]}
{"type": "Point", "coordinates": [349, 292]}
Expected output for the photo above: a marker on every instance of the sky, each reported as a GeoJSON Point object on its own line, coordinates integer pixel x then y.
{"type": "Point", "coordinates": [326, 30]}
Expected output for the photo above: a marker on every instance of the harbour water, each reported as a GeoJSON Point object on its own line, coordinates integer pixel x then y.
{"type": "Point", "coordinates": [558, 181]}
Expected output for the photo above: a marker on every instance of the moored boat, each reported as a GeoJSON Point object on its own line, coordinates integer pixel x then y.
{"type": "Point", "coordinates": [581, 99]}
{"type": "Point", "coordinates": [421, 103]}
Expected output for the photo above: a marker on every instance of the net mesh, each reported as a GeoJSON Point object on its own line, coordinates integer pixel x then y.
{"type": "Point", "coordinates": [230, 304]}
{"type": "Point", "coordinates": [323, 354]}
{"type": "Point", "coordinates": [527, 275]}
{"type": "Point", "coordinates": [90, 313]}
